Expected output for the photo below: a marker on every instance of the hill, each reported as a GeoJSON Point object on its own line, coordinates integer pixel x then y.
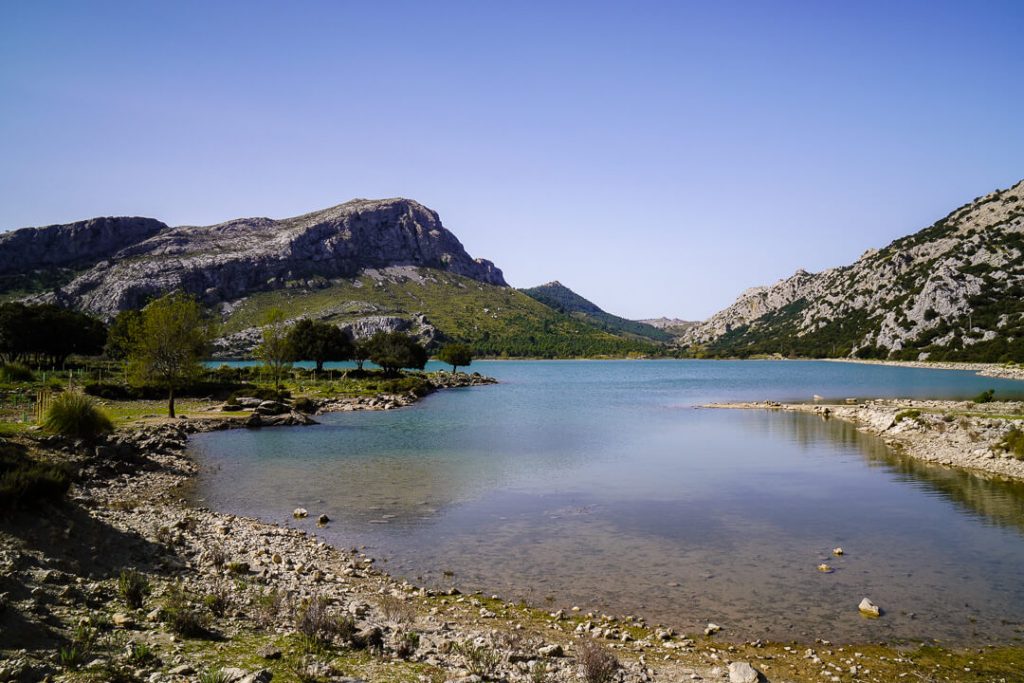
{"type": "Point", "coordinates": [562, 299]}
{"type": "Point", "coordinates": [366, 264]}
{"type": "Point", "coordinates": [952, 291]}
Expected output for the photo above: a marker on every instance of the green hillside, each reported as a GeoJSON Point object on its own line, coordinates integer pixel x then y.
{"type": "Point", "coordinates": [559, 297]}
{"type": "Point", "coordinates": [495, 321]}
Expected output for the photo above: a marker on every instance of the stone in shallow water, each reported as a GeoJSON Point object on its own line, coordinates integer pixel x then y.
{"type": "Point", "coordinates": [869, 609]}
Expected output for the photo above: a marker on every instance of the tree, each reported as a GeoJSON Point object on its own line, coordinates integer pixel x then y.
{"type": "Point", "coordinates": [455, 355]}
{"type": "Point", "coordinates": [395, 350]}
{"type": "Point", "coordinates": [48, 333]}
{"type": "Point", "coordinates": [275, 350]}
{"type": "Point", "coordinates": [360, 353]}
{"type": "Point", "coordinates": [318, 342]}
{"type": "Point", "coordinates": [121, 335]}
{"type": "Point", "coordinates": [172, 339]}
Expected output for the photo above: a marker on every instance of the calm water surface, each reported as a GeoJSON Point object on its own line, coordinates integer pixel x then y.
{"type": "Point", "coordinates": [600, 484]}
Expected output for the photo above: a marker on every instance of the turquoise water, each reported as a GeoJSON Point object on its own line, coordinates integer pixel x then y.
{"type": "Point", "coordinates": [601, 484]}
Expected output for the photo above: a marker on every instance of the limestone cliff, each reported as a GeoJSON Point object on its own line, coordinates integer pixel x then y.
{"type": "Point", "coordinates": [126, 261]}
{"type": "Point", "coordinates": [953, 290]}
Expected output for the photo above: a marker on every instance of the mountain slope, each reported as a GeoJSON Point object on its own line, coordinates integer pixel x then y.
{"type": "Point", "coordinates": [562, 299]}
{"type": "Point", "coordinates": [223, 262]}
{"type": "Point", "coordinates": [437, 306]}
{"type": "Point", "coordinates": [953, 291]}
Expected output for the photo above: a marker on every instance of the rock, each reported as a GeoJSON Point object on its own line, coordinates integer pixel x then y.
{"type": "Point", "coordinates": [121, 620]}
{"type": "Point", "coordinates": [126, 259]}
{"type": "Point", "coordinates": [300, 513]}
{"type": "Point", "coordinates": [369, 637]}
{"type": "Point", "coordinates": [712, 629]}
{"type": "Point", "coordinates": [554, 650]}
{"type": "Point", "coordinates": [269, 652]}
{"type": "Point", "coordinates": [742, 672]}
{"type": "Point", "coordinates": [869, 609]}
{"type": "Point", "coordinates": [272, 408]}
{"type": "Point", "coordinates": [824, 568]}
{"type": "Point", "coordinates": [182, 670]}
{"type": "Point", "coordinates": [837, 551]}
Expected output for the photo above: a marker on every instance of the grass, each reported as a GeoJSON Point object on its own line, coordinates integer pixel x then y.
{"type": "Point", "coordinates": [182, 614]}
{"type": "Point", "coordinates": [75, 415]}
{"type": "Point", "coordinates": [133, 587]}
{"type": "Point", "coordinates": [910, 414]}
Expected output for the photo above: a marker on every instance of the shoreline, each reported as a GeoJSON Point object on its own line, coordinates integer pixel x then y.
{"type": "Point", "coordinates": [960, 434]}
{"type": "Point", "coordinates": [997, 370]}
{"type": "Point", "coordinates": [128, 510]}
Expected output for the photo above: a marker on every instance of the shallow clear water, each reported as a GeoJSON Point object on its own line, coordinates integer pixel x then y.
{"type": "Point", "coordinates": [600, 484]}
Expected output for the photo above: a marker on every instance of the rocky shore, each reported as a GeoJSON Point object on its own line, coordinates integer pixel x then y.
{"type": "Point", "coordinates": [952, 433]}
{"type": "Point", "coordinates": [129, 582]}
{"type": "Point", "coordinates": [1001, 370]}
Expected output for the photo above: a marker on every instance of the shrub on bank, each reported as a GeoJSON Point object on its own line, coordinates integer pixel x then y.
{"type": "Point", "coordinates": [986, 396]}
{"type": "Point", "coordinates": [16, 372]}
{"type": "Point", "coordinates": [74, 414]}
{"type": "Point", "coordinates": [24, 480]}
{"type": "Point", "coordinates": [1013, 443]}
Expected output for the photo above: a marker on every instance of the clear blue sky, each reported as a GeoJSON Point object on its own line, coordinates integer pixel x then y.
{"type": "Point", "coordinates": [656, 157]}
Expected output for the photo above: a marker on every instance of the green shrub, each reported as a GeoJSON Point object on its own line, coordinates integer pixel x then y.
{"type": "Point", "coordinates": [110, 391]}
{"type": "Point", "coordinates": [986, 396]}
{"type": "Point", "coordinates": [1013, 443]}
{"type": "Point", "coordinates": [133, 587]}
{"type": "Point", "coordinates": [215, 676]}
{"type": "Point", "coordinates": [24, 480]}
{"type": "Point", "coordinates": [911, 414]}
{"type": "Point", "coordinates": [75, 415]}
{"type": "Point", "coordinates": [16, 372]}
{"type": "Point", "coordinates": [182, 614]}
{"type": "Point", "coordinates": [304, 405]}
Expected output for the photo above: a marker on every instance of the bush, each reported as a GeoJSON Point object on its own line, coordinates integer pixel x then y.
{"type": "Point", "coordinates": [596, 663]}
{"type": "Point", "coordinates": [1013, 443]}
{"type": "Point", "coordinates": [16, 372]}
{"type": "Point", "coordinates": [133, 587]}
{"type": "Point", "coordinates": [109, 391]}
{"type": "Point", "coordinates": [318, 626]}
{"type": "Point", "coordinates": [182, 615]}
{"type": "Point", "coordinates": [304, 405]}
{"type": "Point", "coordinates": [911, 414]}
{"type": "Point", "coordinates": [24, 480]}
{"type": "Point", "coordinates": [75, 415]}
{"type": "Point", "coordinates": [986, 396]}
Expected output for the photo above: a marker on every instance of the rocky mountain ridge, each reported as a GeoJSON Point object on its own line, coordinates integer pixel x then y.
{"type": "Point", "coordinates": [951, 291]}
{"type": "Point", "coordinates": [111, 264]}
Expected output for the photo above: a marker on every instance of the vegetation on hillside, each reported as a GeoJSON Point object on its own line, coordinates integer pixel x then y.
{"type": "Point", "coordinates": [493, 321]}
{"type": "Point", "coordinates": [557, 296]}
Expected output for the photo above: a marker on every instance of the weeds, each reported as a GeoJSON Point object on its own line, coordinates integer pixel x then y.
{"type": "Point", "coordinates": [74, 654]}
{"type": "Point", "coordinates": [480, 659]}
{"type": "Point", "coordinates": [267, 607]}
{"type": "Point", "coordinates": [986, 396]}
{"type": "Point", "coordinates": [396, 610]}
{"type": "Point", "coordinates": [215, 676]}
{"type": "Point", "coordinates": [597, 664]}
{"type": "Point", "coordinates": [218, 600]}
{"type": "Point", "coordinates": [182, 615]}
{"type": "Point", "coordinates": [133, 587]}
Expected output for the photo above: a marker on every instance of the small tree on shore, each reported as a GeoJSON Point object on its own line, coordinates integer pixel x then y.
{"type": "Point", "coordinates": [360, 353]}
{"type": "Point", "coordinates": [455, 355]}
{"type": "Point", "coordinates": [275, 350]}
{"type": "Point", "coordinates": [172, 338]}
{"type": "Point", "coordinates": [319, 342]}
{"type": "Point", "coordinates": [393, 351]}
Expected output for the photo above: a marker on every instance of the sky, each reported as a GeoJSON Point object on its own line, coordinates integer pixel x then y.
{"type": "Point", "coordinates": [656, 157]}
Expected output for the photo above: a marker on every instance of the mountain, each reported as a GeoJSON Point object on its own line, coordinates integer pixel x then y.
{"type": "Point", "coordinates": [561, 298]}
{"type": "Point", "coordinates": [366, 264]}
{"type": "Point", "coordinates": [952, 291]}
{"type": "Point", "coordinates": [673, 326]}
{"type": "Point", "coordinates": [223, 262]}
